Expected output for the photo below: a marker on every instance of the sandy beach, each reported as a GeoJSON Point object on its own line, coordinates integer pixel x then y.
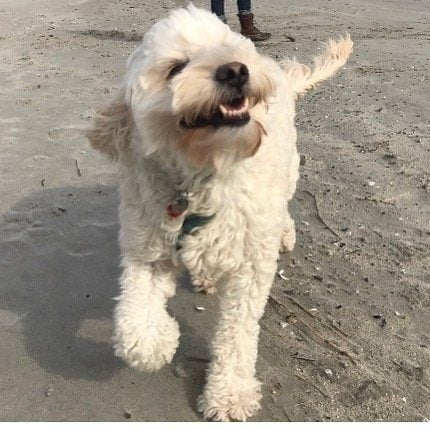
{"type": "Point", "coordinates": [346, 332]}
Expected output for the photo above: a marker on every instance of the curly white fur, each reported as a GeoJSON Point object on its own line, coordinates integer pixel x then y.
{"type": "Point", "coordinates": [243, 175]}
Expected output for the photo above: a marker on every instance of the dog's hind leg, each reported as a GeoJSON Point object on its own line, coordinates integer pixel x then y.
{"type": "Point", "coordinates": [288, 237]}
{"type": "Point", "coordinates": [146, 336]}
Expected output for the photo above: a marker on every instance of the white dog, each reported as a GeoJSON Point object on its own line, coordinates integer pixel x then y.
{"type": "Point", "coordinates": [203, 132]}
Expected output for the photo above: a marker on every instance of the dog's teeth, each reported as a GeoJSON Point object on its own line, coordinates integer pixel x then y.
{"type": "Point", "coordinates": [229, 112]}
{"type": "Point", "coordinates": [223, 110]}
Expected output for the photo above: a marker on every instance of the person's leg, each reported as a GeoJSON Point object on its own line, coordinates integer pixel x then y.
{"type": "Point", "coordinates": [217, 7]}
{"type": "Point", "coordinates": [244, 7]}
{"type": "Point", "coordinates": [247, 26]}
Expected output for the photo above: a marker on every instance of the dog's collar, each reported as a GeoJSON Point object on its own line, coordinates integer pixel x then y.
{"type": "Point", "coordinates": [181, 201]}
{"type": "Point", "coordinates": [192, 222]}
{"type": "Point", "coordinates": [178, 207]}
{"type": "Point", "coordinates": [190, 225]}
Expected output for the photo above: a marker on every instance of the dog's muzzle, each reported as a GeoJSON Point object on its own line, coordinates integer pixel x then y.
{"type": "Point", "coordinates": [233, 111]}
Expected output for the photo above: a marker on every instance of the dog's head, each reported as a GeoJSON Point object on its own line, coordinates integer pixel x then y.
{"type": "Point", "coordinates": [194, 86]}
{"type": "Point", "coordinates": [197, 88]}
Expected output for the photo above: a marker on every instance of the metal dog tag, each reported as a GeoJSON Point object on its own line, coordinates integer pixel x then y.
{"type": "Point", "coordinates": [178, 206]}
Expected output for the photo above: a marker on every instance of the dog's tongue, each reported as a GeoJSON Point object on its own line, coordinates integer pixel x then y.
{"type": "Point", "coordinates": [236, 109]}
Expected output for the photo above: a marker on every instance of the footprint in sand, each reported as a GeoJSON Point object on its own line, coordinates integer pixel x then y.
{"type": "Point", "coordinates": [68, 133]}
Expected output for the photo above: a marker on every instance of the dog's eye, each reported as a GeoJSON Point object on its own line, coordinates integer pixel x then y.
{"type": "Point", "coordinates": [177, 68]}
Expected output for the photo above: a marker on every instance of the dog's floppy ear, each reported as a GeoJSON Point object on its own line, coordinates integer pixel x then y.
{"type": "Point", "coordinates": [302, 78]}
{"type": "Point", "coordinates": [110, 128]}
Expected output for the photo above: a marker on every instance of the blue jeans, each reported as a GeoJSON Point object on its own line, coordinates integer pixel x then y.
{"type": "Point", "coordinates": [217, 6]}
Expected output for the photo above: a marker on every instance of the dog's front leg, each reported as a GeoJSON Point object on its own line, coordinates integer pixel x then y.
{"type": "Point", "coordinates": [146, 336]}
{"type": "Point", "coordinates": [232, 392]}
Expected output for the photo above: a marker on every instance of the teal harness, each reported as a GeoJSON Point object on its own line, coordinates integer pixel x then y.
{"type": "Point", "coordinates": [190, 226]}
{"type": "Point", "coordinates": [191, 222]}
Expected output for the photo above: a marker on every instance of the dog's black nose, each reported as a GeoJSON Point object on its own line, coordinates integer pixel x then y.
{"type": "Point", "coordinates": [233, 74]}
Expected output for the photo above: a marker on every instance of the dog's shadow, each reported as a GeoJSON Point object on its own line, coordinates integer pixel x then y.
{"type": "Point", "coordinates": [59, 268]}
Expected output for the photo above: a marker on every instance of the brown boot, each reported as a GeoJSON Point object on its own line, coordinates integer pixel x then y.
{"type": "Point", "coordinates": [248, 29]}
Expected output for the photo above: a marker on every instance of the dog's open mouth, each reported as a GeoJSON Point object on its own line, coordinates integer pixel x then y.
{"type": "Point", "coordinates": [233, 114]}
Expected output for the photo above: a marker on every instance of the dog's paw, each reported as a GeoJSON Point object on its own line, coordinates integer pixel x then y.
{"type": "Point", "coordinates": [288, 240]}
{"type": "Point", "coordinates": [232, 403]}
{"type": "Point", "coordinates": [202, 285]}
{"type": "Point", "coordinates": [146, 348]}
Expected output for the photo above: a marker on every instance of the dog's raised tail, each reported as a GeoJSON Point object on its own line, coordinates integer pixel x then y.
{"type": "Point", "coordinates": [302, 78]}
